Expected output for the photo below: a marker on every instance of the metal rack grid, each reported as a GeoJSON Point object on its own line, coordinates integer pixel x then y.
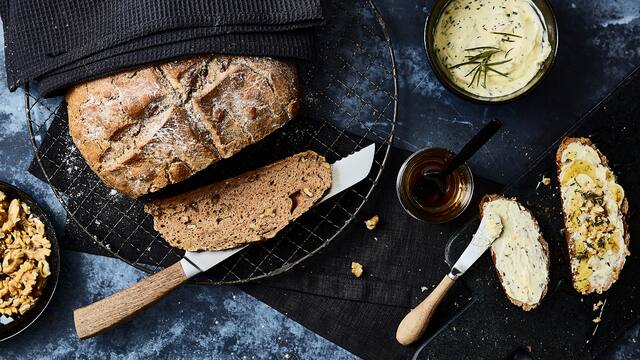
{"type": "Point", "coordinates": [350, 98]}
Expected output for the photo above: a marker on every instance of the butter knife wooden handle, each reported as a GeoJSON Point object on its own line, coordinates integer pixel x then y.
{"type": "Point", "coordinates": [415, 323]}
{"type": "Point", "coordinates": [111, 311]}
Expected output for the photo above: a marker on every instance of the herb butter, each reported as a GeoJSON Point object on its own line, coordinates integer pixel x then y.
{"type": "Point", "coordinates": [520, 253]}
{"type": "Point", "coordinates": [491, 48]}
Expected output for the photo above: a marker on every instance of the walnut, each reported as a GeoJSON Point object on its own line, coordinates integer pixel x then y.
{"type": "Point", "coordinates": [24, 249]}
{"type": "Point", "coordinates": [373, 222]}
{"type": "Point", "coordinates": [267, 212]}
{"type": "Point", "coordinates": [597, 305]}
{"type": "Point", "coordinates": [356, 269]}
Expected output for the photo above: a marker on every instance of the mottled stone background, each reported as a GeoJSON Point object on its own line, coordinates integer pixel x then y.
{"type": "Point", "coordinates": [223, 322]}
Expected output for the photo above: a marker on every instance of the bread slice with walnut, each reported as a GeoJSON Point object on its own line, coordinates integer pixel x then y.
{"type": "Point", "coordinates": [520, 254]}
{"type": "Point", "coordinates": [595, 215]}
{"type": "Point", "coordinates": [251, 207]}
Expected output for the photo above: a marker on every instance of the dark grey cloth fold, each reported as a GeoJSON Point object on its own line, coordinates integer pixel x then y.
{"type": "Point", "coordinates": [68, 39]}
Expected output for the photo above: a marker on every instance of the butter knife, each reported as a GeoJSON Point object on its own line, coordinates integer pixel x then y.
{"type": "Point", "coordinates": [415, 323]}
{"type": "Point", "coordinates": [115, 309]}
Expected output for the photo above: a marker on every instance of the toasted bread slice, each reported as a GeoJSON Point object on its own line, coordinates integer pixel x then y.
{"type": "Point", "coordinates": [595, 215]}
{"type": "Point", "coordinates": [520, 254]}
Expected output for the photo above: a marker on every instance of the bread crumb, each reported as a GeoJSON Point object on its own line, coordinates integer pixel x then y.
{"type": "Point", "coordinates": [597, 305]}
{"type": "Point", "coordinates": [423, 288]}
{"type": "Point", "coordinates": [529, 348]}
{"type": "Point", "coordinates": [546, 181]}
{"type": "Point", "coordinates": [597, 320]}
{"type": "Point", "coordinates": [372, 223]}
{"type": "Point", "coordinates": [356, 269]}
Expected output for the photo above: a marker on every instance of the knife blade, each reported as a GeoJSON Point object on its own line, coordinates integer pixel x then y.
{"type": "Point", "coordinates": [488, 231]}
{"type": "Point", "coordinates": [345, 173]}
{"type": "Point", "coordinates": [109, 312]}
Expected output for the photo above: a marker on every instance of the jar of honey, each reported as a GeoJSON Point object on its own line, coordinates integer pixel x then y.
{"type": "Point", "coordinates": [422, 198]}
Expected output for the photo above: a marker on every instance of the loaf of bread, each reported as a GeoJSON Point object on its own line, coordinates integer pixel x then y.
{"type": "Point", "coordinates": [251, 207]}
{"type": "Point", "coordinates": [144, 129]}
{"type": "Point", "coordinates": [520, 254]}
{"type": "Point", "coordinates": [595, 215]}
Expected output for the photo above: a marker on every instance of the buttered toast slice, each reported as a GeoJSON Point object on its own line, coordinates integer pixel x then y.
{"type": "Point", "coordinates": [595, 211]}
{"type": "Point", "coordinates": [520, 254]}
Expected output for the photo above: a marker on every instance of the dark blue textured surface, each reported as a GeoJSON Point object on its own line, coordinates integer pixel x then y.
{"type": "Point", "coordinates": [210, 322]}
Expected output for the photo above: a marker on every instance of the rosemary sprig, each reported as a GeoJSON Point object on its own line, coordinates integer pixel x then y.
{"type": "Point", "coordinates": [482, 64]}
{"type": "Point", "coordinates": [506, 34]}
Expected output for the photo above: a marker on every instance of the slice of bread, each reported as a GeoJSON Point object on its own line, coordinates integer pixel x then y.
{"type": "Point", "coordinates": [520, 254]}
{"type": "Point", "coordinates": [251, 207]}
{"type": "Point", "coordinates": [595, 212]}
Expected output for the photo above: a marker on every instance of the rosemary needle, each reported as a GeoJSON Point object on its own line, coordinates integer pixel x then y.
{"type": "Point", "coordinates": [483, 55]}
{"type": "Point", "coordinates": [464, 63]}
{"type": "Point", "coordinates": [472, 70]}
{"type": "Point", "coordinates": [506, 34]}
{"type": "Point", "coordinates": [507, 53]}
{"type": "Point", "coordinates": [481, 48]}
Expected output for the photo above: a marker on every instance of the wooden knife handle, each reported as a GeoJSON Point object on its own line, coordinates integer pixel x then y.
{"type": "Point", "coordinates": [111, 311]}
{"type": "Point", "coordinates": [415, 323]}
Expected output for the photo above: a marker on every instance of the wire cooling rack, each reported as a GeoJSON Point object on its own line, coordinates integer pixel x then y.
{"type": "Point", "coordinates": [350, 97]}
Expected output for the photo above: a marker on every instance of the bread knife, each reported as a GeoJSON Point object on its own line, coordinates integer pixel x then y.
{"type": "Point", "coordinates": [113, 310]}
{"type": "Point", "coordinates": [416, 321]}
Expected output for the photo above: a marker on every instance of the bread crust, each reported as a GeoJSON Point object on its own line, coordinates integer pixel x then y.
{"type": "Point", "coordinates": [541, 240]}
{"type": "Point", "coordinates": [144, 129]}
{"type": "Point", "coordinates": [624, 207]}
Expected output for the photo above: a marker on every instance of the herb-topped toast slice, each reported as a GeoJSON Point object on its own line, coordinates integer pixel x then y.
{"type": "Point", "coordinates": [595, 215]}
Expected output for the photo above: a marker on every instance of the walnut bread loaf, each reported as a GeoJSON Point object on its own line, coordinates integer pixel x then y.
{"type": "Point", "coordinates": [520, 254]}
{"type": "Point", "coordinates": [251, 207]}
{"type": "Point", "coordinates": [595, 215]}
{"type": "Point", "coordinates": [144, 129]}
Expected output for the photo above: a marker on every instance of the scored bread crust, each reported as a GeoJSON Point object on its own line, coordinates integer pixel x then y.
{"type": "Point", "coordinates": [624, 207]}
{"type": "Point", "coordinates": [143, 129]}
{"type": "Point", "coordinates": [541, 240]}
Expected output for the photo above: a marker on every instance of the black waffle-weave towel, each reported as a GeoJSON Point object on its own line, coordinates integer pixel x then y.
{"type": "Point", "coordinates": [60, 42]}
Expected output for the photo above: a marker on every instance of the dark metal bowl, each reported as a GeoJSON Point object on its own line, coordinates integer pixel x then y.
{"type": "Point", "coordinates": [18, 323]}
{"type": "Point", "coordinates": [549, 20]}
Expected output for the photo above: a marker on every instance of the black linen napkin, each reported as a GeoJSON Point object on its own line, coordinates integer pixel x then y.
{"type": "Point", "coordinates": [403, 259]}
{"type": "Point", "coordinates": [292, 45]}
{"type": "Point", "coordinates": [61, 37]}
